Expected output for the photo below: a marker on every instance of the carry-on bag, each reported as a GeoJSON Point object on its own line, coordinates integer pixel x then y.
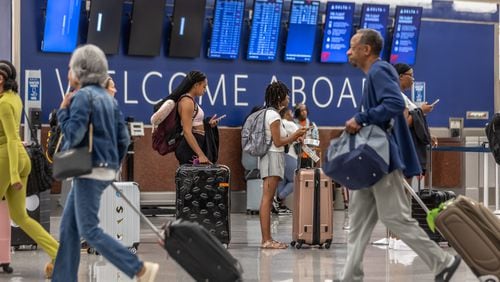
{"type": "Point", "coordinates": [117, 219]}
{"type": "Point", "coordinates": [313, 208]}
{"type": "Point", "coordinates": [203, 196]}
{"type": "Point", "coordinates": [254, 190]}
{"type": "Point", "coordinates": [474, 232]}
{"type": "Point", "coordinates": [432, 199]}
{"type": "Point", "coordinates": [195, 249]}
{"type": "Point", "coordinates": [5, 237]}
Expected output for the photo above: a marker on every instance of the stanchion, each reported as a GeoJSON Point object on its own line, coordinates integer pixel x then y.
{"type": "Point", "coordinates": [485, 181]}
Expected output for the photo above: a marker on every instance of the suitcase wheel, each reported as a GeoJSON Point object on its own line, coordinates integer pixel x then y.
{"type": "Point", "coordinates": [488, 278]}
{"type": "Point", "coordinates": [299, 243]}
{"type": "Point", "coordinates": [6, 268]}
{"type": "Point", "coordinates": [92, 251]}
{"type": "Point", "coordinates": [327, 244]}
{"type": "Point", "coordinates": [292, 243]}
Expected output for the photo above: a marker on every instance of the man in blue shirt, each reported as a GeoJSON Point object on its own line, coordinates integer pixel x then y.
{"type": "Point", "coordinates": [381, 104]}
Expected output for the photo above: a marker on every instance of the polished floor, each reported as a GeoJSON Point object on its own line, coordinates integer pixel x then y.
{"type": "Point", "coordinates": [310, 264]}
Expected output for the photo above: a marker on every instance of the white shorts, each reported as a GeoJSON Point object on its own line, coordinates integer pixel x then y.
{"type": "Point", "coordinates": [272, 164]}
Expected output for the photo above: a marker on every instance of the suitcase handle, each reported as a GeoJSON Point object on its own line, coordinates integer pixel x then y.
{"type": "Point", "coordinates": [143, 217]}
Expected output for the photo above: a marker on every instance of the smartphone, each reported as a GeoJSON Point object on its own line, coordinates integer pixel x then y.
{"type": "Point", "coordinates": [435, 102]}
{"type": "Point", "coordinates": [219, 118]}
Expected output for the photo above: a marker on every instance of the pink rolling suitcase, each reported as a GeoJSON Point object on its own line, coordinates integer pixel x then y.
{"type": "Point", "coordinates": [313, 209]}
{"type": "Point", "coordinates": [5, 237]}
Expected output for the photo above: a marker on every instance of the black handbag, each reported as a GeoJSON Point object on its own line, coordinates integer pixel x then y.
{"type": "Point", "coordinates": [74, 162]}
{"type": "Point", "coordinates": [40, 177]}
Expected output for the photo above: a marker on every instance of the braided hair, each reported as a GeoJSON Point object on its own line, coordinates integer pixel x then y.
{"type": "Point", "coordinates": [187, 83]}
{"type": "Point", "coordinates": [8, 71]}
{"type": "Point", "coordinates": [276, 92]}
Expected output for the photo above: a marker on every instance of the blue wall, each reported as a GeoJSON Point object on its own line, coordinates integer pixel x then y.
{"type": "Point", "coordinates": [456, 60]}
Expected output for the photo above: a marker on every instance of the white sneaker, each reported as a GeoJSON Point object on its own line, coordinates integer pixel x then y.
{"type": "Point", "coordinates": [400, 246]}
{"type": "Point", "coordinates": [150, 273]}
{"type": "Point", "coordinates": [383, 241]}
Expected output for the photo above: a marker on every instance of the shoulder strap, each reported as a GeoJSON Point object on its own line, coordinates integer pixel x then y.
{"type": "Point", "coordinates": [195, 104]}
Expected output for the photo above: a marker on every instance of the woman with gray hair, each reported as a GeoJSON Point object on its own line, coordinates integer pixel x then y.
{"type": "Point", "coordinates": [91, 104]}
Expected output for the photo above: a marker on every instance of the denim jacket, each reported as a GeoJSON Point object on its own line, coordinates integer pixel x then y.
{"type": "Point", "coordinates": [110, 134]}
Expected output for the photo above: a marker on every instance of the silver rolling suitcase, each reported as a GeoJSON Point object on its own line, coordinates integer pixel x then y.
{"type": "Point", "coordinates": [117, 218]}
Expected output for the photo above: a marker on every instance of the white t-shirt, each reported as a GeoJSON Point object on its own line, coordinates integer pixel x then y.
{"type": "Point", "coordinates": [409, 104]}
{"type": "Point", "coordinates": [272, 116]}
{"type": "Point", "coordinates": [290, 128]}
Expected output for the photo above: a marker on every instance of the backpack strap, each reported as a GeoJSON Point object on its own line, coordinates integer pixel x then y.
{"type": "Point", "coordinates": [195, 112]}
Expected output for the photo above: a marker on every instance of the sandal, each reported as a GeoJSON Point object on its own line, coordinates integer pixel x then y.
{"type": "Point", "coordinates": [272, 244]}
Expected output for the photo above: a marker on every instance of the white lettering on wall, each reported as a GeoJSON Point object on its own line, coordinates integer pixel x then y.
{"type": "Point", "coordinates": [330, 86]}
{"type": "Point", "coordinates": [221, 83]}
{"type": "Point", "coordinates": [344, 95]}
{"type": "Point", "coordinates": [125, 89]}
{"type": "Point", "coordinates": [298, 90]}
{"type": "Point", "coordinates": [59, 82]}
{"type": "Point", "coordinates": [238, 89]}
{"type": "Point", "coordinates": [144, 80]}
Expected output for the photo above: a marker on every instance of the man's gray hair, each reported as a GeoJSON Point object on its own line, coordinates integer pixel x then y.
{"type": "Point", "coordinates": [89, 65]}
{"type": "Point", "coordinates": [371, 38]}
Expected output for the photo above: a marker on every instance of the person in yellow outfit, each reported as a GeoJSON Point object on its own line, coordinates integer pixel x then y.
{"type": "Point", "coordinates": [16, 164]}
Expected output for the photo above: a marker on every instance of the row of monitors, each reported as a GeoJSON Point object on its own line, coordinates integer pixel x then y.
{"type": "Point", "coordinates": [61, 28]}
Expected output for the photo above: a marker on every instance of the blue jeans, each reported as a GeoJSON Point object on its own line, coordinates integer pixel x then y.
{"type": "Point", "coordinates": [285, 187]}
{"type": "Point", "coordinates": [80, 218]}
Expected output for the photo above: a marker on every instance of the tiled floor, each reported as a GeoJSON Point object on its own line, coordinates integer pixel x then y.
{"type": "Point", "coordinates": [259, 265]}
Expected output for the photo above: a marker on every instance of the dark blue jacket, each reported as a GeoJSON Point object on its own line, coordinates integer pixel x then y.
{"type": "Point", "coordinates": [110, 137]}
{"type": "Point", "coordinates": [381, 102]}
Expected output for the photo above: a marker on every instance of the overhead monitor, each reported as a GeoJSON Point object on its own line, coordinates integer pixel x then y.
{"type": "Point", "coordinates": [337, 32]}
{"type": "Point", "coordinates": [104, 24]}
{"type": "Point", "coordinates": [226, 30]}
{"type": "Point", "coordinates": [146, 28]}
{"type": "Point", "coordinates": [187, 28]}
{"type": "Point", "coordinates": [61, 26]}
{"type": "Point", "coordinates": [301, 30]}
{"type": "Point", "coordinates": [405, 37]}
{"type": "Point", "coordinates": [265, 30]}
{"type": "Point", "coordinates": [375, 16]}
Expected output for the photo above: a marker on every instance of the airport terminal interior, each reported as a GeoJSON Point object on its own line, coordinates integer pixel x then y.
{"type": "Point", "coordinates": [451, 48]}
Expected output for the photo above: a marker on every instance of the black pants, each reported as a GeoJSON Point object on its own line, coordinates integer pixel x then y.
{"type": "Point", "coordinates": [184, 153]}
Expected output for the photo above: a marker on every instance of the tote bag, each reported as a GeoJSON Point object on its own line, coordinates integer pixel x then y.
{"type": "Point", "coordinates": [358, 160]}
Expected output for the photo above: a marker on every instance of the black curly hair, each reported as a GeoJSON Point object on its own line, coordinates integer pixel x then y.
{"type": "Point", "coordinates": [8, 71]}
{"type": "Point", "coordinates": [276, 92]}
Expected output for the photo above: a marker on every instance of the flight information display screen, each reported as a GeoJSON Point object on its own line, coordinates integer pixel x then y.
{"type": "Point", "coordinates": [337, 32]}
{"type": "Point", "coordinates": [61, 26]}
{"type": "Point", "coordinates": [226, 31]}
{"type": "Point", "coordinates": [301, 31]}
{"type": "Point", "coordinates": [187, 28]}
{"type": "Point", "coordinates": [105, 24]}
{"type": "Point", "coordinates": [405, 37]}
{"type": "Point", "coordinates": [375, 17]}
{"type": "Point", "coordinates": [265, 30]}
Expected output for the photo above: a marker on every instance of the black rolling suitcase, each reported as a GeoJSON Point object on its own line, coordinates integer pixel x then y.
{"type": "Point", "coordinates": [197, 251]}
{"type": "Point", "coordinates": [203, 196]}
{"type": "Point", "coordinates": [432, 199]}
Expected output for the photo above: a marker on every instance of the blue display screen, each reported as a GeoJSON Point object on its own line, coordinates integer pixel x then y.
{"type": "Point", "coordinates": [61, 26]}
{"type": "Point", "coordinates": [337, 32]}
{"type": "Point", "coordinates": [375, 17]}
{"type": "Point", "coordinates": [405, 38]}
{"type": "Point", "coordinates": [265, 30]}
{"type": "Point", "coordinates": [301, 31]}
{"type": "Point", "coordinates": [226, 31]}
